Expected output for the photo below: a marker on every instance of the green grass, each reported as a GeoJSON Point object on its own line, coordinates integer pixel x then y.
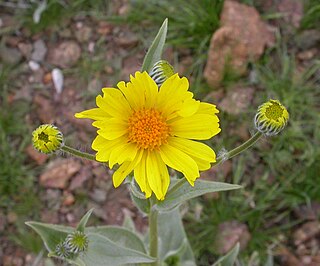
{"type": "Point", "coordinates": [57, 12]}
{"type": "Point", "coordinates": [18, 195]}
{"type": "Point", "coordinates": [311, 18]}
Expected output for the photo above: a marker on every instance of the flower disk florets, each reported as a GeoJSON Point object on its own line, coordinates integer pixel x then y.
{"type": "Point", "coordinates": [271, 118]}
{"type": "Point", "coordinates": [47, 138]}
{"type": "Point", "coordinates": [148, 128]}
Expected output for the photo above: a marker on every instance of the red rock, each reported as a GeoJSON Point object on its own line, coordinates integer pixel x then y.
{"type": "Point", "coordinates": [229, 234]}
{"type": "Point", "coordinates": [237, 100]}
{"type": "Point", "coordinates": [104, 28]}
{"type": "Point", "coordinates": [292, 10]}
{"type": "Point", "coordinates": [242, 37]}
{"type": "Point", "coordinates": [65, 55]}
{"type": "Point", "coordinates": [59, 172]}
{"type": "Point", "coordinates": [68, 199]}
{"type": "Point", "coordinates": [287, 258]}
{"type": "Point", "coordinates": [306, 232]}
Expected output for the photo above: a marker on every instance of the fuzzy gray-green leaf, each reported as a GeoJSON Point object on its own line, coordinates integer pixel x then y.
{"type": "Point", "coordinates": [172, 237]}
{"type": "Point", "coordinates": [51, 234]}
{"type": "Point", "coordinates": [230, 258]}
{"type": "Point", "coordinates": [155, 51]}
{"type": "Point", "coordinates": [84, 220]}
{"type": "Point", "coordinates": [104, 252]}
{"type": "Point", "coordinates": [183, 191]}
{"type": "Point", "coordinates": [120, 236]}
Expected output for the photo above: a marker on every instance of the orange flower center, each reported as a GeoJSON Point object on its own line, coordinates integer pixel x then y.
{"type": "Point", "coordinates": [148, 128]}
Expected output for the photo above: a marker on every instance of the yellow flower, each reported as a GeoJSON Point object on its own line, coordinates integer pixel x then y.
{"type": "Point", "coordinates": [271, 118]}
{"type": "Point", "coordinates": [145, 129]}
{"type": "Point", "coordinates": [47, 138]}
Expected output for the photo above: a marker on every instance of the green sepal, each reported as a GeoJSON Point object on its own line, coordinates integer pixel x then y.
{"type": "Point", "coordinates": [155, 51]}
{"type": "Point", "coordinates": [230, 258]}
{"type": "Point", "coordinates": [182, 191]}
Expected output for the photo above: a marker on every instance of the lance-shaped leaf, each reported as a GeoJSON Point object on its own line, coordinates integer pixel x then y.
{"type": "Point", "coordinates": [120, 236]}
{"type": "Point", "coordinates": [155, 51]}
{"type": "Point", "coordinates": [104, 252]}
{"type": "Point", "coordinates": [182, 191]}
{"type": "Point", "coordinates": [51, 234]}
{"type": "Point", "coordinates": [172, 238]}
{"type": "Point", "coordinates": [230, 258]}
{"type": "Point", "coordinates": [127, 247]}
{"type": "Point", "coordinates": [82, 224]}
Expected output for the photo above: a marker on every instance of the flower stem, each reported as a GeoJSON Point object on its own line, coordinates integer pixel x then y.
{"type": "Point", "coordinates": [153, 233]}
{"type": "Point", "coordinates": [78, 153]}
{"type": "Point", "coordinates": [240, 148]}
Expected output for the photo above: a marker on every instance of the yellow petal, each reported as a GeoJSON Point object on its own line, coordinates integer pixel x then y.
{"type": "Point", "coordinates": [188, 107]}
{"type": "Point", "coordinates": [95, 114]}
{"type": "Point", "coordinates": [111, 105]}
{"type": "Point", "coordinates": [125, 169]}
{"type": "Point", "coordinates": [193, 148]}
{"type": "Point", "coordinates": [131, 93]}
{"type": "Point", "coordinates": [122, 153]}
{"type": "Point", "coordinates": [180, 161]}
{"type": "Point", "coordinates": [198, 126]}
{"type": "Point", "coordinates": [148, 89]}
{"type": "Point", "coordinates": [207, 108]}
{"type": "Point", "coordinates": [111, 128]}
{"type": "Point", "coordinates": [172, 94]}
{"type": "Point", "coordinates": [157, 175]}
{"type": "Point", "coordinates": [203, 165]}
{"type": "Point", "coordinates": [115, 103]}
{"type": "Point", "coordinates": [140, 175]}
{"type": "Point", "coordinates": [104, 147]}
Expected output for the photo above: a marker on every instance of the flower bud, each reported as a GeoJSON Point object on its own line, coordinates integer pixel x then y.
{"type": "Point", "coordinates": [62, 251]}
{"type": "Point", "coordinates": [77, 242]}
{"type": "Point", "coordinates": [271, 118]}
{"type": "Point", "coordinates": [47, 138]}
{"type": "Point", "coordinates": [161, 71]}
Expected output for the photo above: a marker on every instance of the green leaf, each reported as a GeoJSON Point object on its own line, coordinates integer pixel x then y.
{"type": "Point", "coordinates": [107, 245]}
{"type": "Point", "coordinates": [104, 252]}
{"type": "Point", "coordinates": [183, 191]}
{"type": "Point", "coordinates": [120, 236]}
{"type": "Point", "coordinates": [51, 234]}
{"type": "Point", "coordinates": [172, 237]}
{"type": "Point", "coordinates": [230, 258]}
{"type": "Point", "coordinates": [128, 223]}
{"type": "Point", "coordinates": [82, 224]}
{"type": "Point", "coordinates": [155, 51]}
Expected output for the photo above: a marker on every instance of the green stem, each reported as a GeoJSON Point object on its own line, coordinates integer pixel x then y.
{"type": "Point", "coordinates": [239, 149]}
{"type": "Point", "coordinates": [227, 156]}
{"type": "Point", "coordinates": [153, 233]}
{"type": "Point", "coordinates": [78, 153]}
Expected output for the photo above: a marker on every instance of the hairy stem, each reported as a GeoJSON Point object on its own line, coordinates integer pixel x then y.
{"type": "Point", "coordinates": [153, 233]}
{"type": "Point", "coordinates": [78, 153]}
{"type": "Point", "coordinates": [244, 146]}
